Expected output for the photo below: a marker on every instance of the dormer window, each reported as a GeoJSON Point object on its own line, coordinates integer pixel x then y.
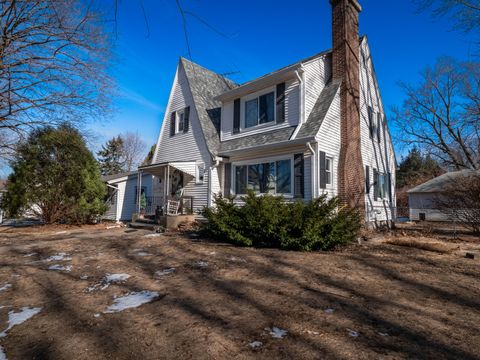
{"type": "Point", "coordinates": [260, 110]}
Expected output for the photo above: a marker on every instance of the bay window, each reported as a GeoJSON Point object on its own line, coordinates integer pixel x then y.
{"type": "Point", "coordinates": [273, 177]}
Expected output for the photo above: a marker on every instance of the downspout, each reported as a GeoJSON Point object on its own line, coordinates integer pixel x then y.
{"type": "Point", "coordinates": [300, 76]}
{"type": "Point", "coordinates": [314, 169]}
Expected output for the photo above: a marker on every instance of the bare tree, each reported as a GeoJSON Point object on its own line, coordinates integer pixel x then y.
{"type": "Point", "coordinates": [460, 199]}
{"type": "Point", "coordinates": [53, 57]}
{"type": "Point", "coordinates": [466, 13]}
{"type": "Point", "coordinates": [441, 115]}
{"type": "Point", "coordinates": [134, 149]}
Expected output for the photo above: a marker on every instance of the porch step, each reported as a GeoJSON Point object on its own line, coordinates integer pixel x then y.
{"type": "Point", "coordinates": [145, 221]}
{"type": "Point", "coordinates": [143, 225]}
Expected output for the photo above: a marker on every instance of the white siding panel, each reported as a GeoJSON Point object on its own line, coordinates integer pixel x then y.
{"type": "Point", "coordinates": [292, 113]}
{"type": "Point", "coordinates": [377, 155]}
{"type": "Point", "coordinates": [317, 73]}
{"type": "Point", "coordinates": [126, 195]}
{"type": "Point", "coordinates": [329, 142]}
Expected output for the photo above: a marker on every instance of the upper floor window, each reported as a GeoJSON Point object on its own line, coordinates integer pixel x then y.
{"type": "Point", "coordinates": [180, 121]}
{"type": "Point", "coordinates": [328, 170]}
{"type": "Point", "coordinates": [199, 172]}
{"type": "Point", "coordinates": [260, 110]}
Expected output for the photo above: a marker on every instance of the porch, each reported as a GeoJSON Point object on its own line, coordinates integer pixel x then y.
{"type": "Point", "coordinates": [170, 193]}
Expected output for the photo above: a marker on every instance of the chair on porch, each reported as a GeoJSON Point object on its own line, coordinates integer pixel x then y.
{"type": "Point", "coordinates": [173, 206]}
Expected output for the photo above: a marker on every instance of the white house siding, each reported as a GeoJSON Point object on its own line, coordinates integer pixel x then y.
{"type": "Point", "coordinates": [425, 203]}
{"type": "Point", "coordinates": [189, 146]}
{"type": "Point", "coordinates": [292, 103]}
{"type": "Point", "coordinates": [328, 138]}
{"type": "Point", "coordinates": [377, 155]}
{"type": "Point", "coordinates": [317, 72]}
{"type": "Point", "coordinates": [126, 194]}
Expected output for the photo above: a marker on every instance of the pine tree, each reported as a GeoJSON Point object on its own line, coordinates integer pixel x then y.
{"type": "Point", "coordinates": [111, 157]}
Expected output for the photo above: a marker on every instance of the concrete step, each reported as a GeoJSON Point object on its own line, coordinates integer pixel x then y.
{"type": "Point", "coordinates": [143, 225]}
{"type": "Point", "coordinates": [145, 221]}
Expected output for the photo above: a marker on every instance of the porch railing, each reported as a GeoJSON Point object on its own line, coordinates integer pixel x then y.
{"type": "Point", "coordinates": [159, 204]}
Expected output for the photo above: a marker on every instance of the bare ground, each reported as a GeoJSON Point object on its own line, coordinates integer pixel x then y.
{"type": "Point", "coordinates": [402, 301]}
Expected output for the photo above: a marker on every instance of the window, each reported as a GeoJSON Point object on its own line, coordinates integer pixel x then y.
{"type": "Point", "coordinates": [180, 121]}
{"type": "Point", "coordinates": [381, 185]}
{"type": "Point", "coordinates": [260, 110]}
{"type": "Point", "coordinates": [199, 173]}
{"type": "Point", "coordinates": [379, 126]}
{"type": "Point", "coordinates": [371, 122]}
{"type": "Point", "coordinates": [270, 177]}
{"type": "Point", "coordinates": [328, 171]}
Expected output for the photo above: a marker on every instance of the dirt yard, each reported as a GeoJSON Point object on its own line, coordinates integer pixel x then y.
{"type": "Point", "coordinates": [204, 300]}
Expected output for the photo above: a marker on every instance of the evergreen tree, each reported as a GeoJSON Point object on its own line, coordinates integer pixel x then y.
{"type": "Point", "coordinates": [148, 159]}
{"type": "Point", "coordinates": [56, 176]}
{"type": "Point", "coordinates": [111, 157]}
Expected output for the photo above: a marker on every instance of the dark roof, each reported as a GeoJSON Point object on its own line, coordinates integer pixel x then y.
{"type": "Point", "coordinates": [118, 176]}
{"type": "Point", "coordinates": [438, 184]}
{"type": "Point", "coordinates": [205, 85]}
{"type": "Point", "coordinates": [315, 119]}
{"type": "Point", "coordinates": [250, 141]}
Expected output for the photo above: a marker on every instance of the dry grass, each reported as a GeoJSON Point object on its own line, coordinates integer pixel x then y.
{"type": "Point", "coordinates": [421, 243]}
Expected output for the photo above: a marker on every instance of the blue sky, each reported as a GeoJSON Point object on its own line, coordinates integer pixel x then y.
{"type": "Point", "coordinates": [258, 37]}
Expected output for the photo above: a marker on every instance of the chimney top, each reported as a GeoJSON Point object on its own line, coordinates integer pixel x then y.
{"type": "Point", "coordinates": [355, 3]}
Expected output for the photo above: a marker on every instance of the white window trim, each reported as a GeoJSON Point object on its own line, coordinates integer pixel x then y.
{"type": "Point", "coordinates": [260, 161]}
{"type": "Point", "coordinates": [257, 95]}
{"type": "Point", "coordinates": [177, 121]}
{"type": "Point", "coordinates": [331, 158]}
{"type": "Point", "coordinates": [199, 181]}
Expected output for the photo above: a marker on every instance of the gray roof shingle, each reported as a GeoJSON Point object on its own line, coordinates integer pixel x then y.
{"type": "Point", "coordinates": [205, 85]}
{"type": "Point", "coordinates": [250, 141]}
{"type": "Point", "coordinates": [315, 119]}
{"type": "Point", "coordinates": [438, 184]}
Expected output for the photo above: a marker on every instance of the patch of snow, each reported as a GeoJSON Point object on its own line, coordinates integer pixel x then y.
{"type": "Point", "coordinates": [164, 272]}
{"type": "Point", "coordinates": [96, 315]}
{"type": "Point", "coordinates": [60, 232]}
{"type": "Point", "coordinates": [16, 275]}
{"type": "Point", "coordinates": [353, 333]}
{"type": "Point", "coordinates": [212, 253]}
{"type": "Point", "coordinates": [311, 332]}
{"type": "Point", "coordinates": [152, 235]}
{"type": "Point", "coordinates": [132, 300]}
{"type": "Point", "coordinates": [30, 254]}
{"type": "Point", "coordinates": [107, 280]}
{"type": "Point", "coordinates": [59, 257]}
{"type": "Point", "coordinates": [58, 267]}
{"type": "Point", "coordinates": [201, 264]}
{"type": "Point", "coordinates": [255, 345]}
{"type": "Point", "coordinates": [84, 277]}
{"type": "Point", "coordinates": [278, 333]}
{"type": "Point", "coordinates": [3, 356]}
{"type": "Point", "coordinates": [382, 334]}
{"type": "Point", "coordinates": [17, 318]}
{"type": "Point", "coordinates": [5, 287]}
{"type": "Point", "coordinates": [233, 258]}
{"type": "Point", "coordinates": [143, 253]}
{"type": "Point", "coordinates": [329, 311]}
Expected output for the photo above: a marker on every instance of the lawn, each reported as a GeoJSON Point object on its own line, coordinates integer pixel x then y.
{"type": "Point", "coordinates": [96, 293]}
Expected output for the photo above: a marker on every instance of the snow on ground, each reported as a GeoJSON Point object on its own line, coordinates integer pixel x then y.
{"type": "Point", "coordinates": [132, 300]}
{"type": "Point", "coordinates": [107, 280]}
{"type": "Point", "coordinates": [255, 344]}
{"type": "Point", "coordinates": [17, 318]}
{"type": "Point", "coordinates": [5, 287]}
{"type": "Point", "coordinates": [277, 333]}
{"type": "Point", "coordinates": [353, 333]}
{"type": "Point", "coordinates": [58, 267]}
{"type": "Point", "coordinates": [59, 257]}
{"type": "Point", "coordinates": [143, 253]}
{"type": "Point", "coordinates": [152, 235]}
{"type": "Point", "coordinates": [30, 254]}
{"type": "Point", "coordinates": [201, 264]}
{"type": "Point", "coordinates": [164, 272]}
{"type": "Point", "coordinates": [2, 354]}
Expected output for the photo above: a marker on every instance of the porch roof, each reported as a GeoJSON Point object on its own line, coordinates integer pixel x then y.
{"type": "Point", "coordinates": [187, 167]}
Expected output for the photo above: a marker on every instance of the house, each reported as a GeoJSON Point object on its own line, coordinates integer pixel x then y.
{"type": "Point", "coordinates": [314, 127]}
{"type": "Point", "coordinates": [423, 199]}
{"type": "Point", "coordinates": [123, 196]}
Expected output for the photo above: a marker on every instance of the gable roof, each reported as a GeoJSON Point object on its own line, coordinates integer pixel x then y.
{"type": "Point", "coordinates": [438, 184]}
{"type": "Point", "coordinates": [205, 85]}
{"type": "Point", "coordinates": [320, 109]}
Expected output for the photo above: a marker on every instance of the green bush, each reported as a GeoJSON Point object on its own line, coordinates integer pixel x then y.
{"type": "Point", "coordinates": [270, 221]}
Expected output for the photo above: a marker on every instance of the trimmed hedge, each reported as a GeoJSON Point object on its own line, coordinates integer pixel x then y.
{"type": "Point", "coordinates": [270, 221]}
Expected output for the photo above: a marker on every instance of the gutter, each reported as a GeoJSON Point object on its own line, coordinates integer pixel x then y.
{"type": "Point", "coordinates": [314, 169]}
{"type": "Point", "coordinates": [301, 79]}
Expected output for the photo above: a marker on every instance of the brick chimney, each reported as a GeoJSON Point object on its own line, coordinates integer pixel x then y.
{"type": "Point", "coordinates": [346, 67]}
